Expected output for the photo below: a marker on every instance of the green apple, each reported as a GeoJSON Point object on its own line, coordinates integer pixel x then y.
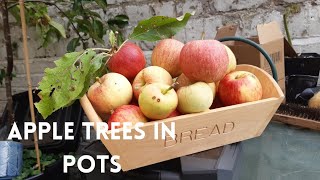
{"type": "Point", "coordinates": [194, 98]}
{"type": "Point", "coordinates": [158, 101]}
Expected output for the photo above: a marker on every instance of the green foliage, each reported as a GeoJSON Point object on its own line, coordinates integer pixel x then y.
{"type": "Point", "coordinates": [30, 161]}
{"type": "Point", "coordinates": [37, 15]}
{"type": "Point", "coordinates": [87, 23]}
{"type": "Point", "coordinates": [74, 72]}
{"type": "Point", "coordinates": [63, 84]}
{"type": "Point", "coordinates": [159, 27]}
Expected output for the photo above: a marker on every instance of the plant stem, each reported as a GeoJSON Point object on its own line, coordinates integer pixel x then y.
{"type": "Point", "coordinates": [171, 87]}
{"type": "Point", "coordinates": [26, 61]}
{"type": "Point", "coordinates": [285, 23]}
{"type": "Point", "coordinates": [8, 78]}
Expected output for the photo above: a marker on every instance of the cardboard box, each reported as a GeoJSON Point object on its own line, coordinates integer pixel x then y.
{"type": "Point", "coordinates": [269, 37]}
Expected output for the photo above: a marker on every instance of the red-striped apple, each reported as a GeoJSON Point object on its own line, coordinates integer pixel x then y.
{"type": "Point", "coordinates": [204, 60]}
{"type": "Point", "coordinates": [149, 75]}
{"type": "Point", "coordinates": [239, 87]}
{"type": "Point", "coordinates": [129, 60]}
{"type": "Point", "coordinates": [109, 92]}
{"type": "Point", "coordinates": [166, 55]}
{"type": "Point", "coordinates": [194, 98]}
{"type": "Point", "coordinates": [127, 113]}
{"type": "Point", "coordinates": [158, 101]}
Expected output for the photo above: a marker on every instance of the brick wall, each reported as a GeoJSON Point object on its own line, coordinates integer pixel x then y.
{"type": "Point", "coordinates": [209, 16]}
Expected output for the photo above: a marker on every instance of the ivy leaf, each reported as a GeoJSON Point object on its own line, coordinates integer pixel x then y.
{"type": "Point", "coordinates": [63, 84]}
{"type": "Point", "coordinates": [159, 27]}
{"type": "Point", "coordinates": [102, 3]}
{"type": "Point", "coordinates": [73, 44]}
{"type": "Point", "coordinates": [58, 27]}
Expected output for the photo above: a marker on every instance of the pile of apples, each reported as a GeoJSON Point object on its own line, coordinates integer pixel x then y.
{"type": "Point", "coordinates": [184, 78]}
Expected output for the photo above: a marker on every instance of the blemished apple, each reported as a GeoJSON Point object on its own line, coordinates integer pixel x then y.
{"type": "Point", "coordinates": [239, 87]}
{"type": "Point", "coordinates": [194, 98]}
{"type": "Point", "coordinates": [109, 92]}
{"type": "Point", "coordinates": [232, 60]}
{"type": "Point", "coordinates": [182, 81]}
{"type": "Point", "coordinates": [158, 101]}
{"type": "Point", "coordinates": [204, 60]}
{"type": "Point", "coordinates": [127, 113]}
{"type": "Point", "coordinates": [149, 75]}
{"type": "Point", "coordinates": [129, 60]}
{"type": "Point", "coordinates": [166, 55]}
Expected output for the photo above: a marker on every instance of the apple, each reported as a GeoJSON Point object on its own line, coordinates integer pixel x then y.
{"type": "Point", "coordinates": [127, 113]}
{"type": "Point", "coordinates": [204, 60]}
{"type": "Point", "coordinates": [166, 55]}
{"type": "Point", "coordinates": [158, 101]}
{"type": "Point", "coordinates": [194, 98]}
{"type": "Point", "coordinates": [129, 60]}
{"type": "Point", "coordinates": [109, 92]}
{"type": "Point", "coordinates": [182, 81]}
{"type": "Point", "coordinates": [232, 60]}
{"type": "Point", "coordinates": [149, 75]}
{"type": "Point", "coordinates": [174, 114]}
{"type": "Point", "coordinates": [239, 87]}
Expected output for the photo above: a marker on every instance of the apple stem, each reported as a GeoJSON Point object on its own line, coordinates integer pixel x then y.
{"type": "Point", "coordinates": [111, 111]}
{"type": "Point", "coordinates": [202, 35]}
{"type": "Point", "coordinates": [171, 87]}
{"type": "Point", "coordinates": [98, 80]}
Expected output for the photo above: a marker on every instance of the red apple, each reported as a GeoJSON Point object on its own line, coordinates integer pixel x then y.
{"type": "Point", "coordinates": [109, 92]}
{"type": "Point", "coordinates": [239, 87]}
{"type": "Point", "coordinates": [149, 75]}
{"type": "Point", "coordinates": [216, 103]}
{"type": "Point", "coordinates": [166, 55]}
{"type": "Point", "coordinates": [174, 114]}
{"type": "Point", "coordinates": [204, 60]}
{"type": "Point", "coordinates": [127, 113]}
{"type": "Point", "coordinates": [129, 60]}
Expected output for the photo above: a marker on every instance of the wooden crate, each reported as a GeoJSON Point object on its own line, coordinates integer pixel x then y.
{"type": "Point", "coordinates": [200, 131]}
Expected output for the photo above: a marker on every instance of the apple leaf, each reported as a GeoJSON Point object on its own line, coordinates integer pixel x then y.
{"type": "Point", "coordinates": [68, 81]}
{"type": "Point", "coordinates": [159, 27]}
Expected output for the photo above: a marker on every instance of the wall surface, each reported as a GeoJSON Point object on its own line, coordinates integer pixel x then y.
{"type": "Point", "coordinates": [304, 27]}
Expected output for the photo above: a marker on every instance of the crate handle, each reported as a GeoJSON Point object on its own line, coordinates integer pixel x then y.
{"type": "Point", "coordinates": [258, 47]}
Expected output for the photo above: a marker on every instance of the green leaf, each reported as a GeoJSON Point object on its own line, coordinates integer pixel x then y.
{"type": "Point", "coordinates": [159, 27]}
{"type": "Point", "coordinates": [102, 3]}
{"type": "Point", "coordinates": [68, 81]}
{"type": "Point", "coordinates": [120, 20]}
{"type": "Point", "coordinates": [59, 27]}
{"type": "Point", "coordinates": [73, 44]}
{"type": "Point", "coordinates": [112, 39]}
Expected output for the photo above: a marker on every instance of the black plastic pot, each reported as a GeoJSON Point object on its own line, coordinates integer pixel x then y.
{"type": "Point", "coordinates": [10, 159]}
{"type": "Point", "coordinates": [72, 113]}
{"type": "Point", "coordinates": [215, 164]}
{"type": "Point", "coordinates": [301, 73]}
{"type": "Point", "coordinates": [53, 171]}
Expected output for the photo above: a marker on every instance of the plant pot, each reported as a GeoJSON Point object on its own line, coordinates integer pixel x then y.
{"type": "Point", "coordinates": [72, 113]}
{"type": "Point", "coordinates": [11, 159]}
{"type": "Point", "coordinates": [53, 171]}
{"type": "Point", "coordinates": [301, 73]}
